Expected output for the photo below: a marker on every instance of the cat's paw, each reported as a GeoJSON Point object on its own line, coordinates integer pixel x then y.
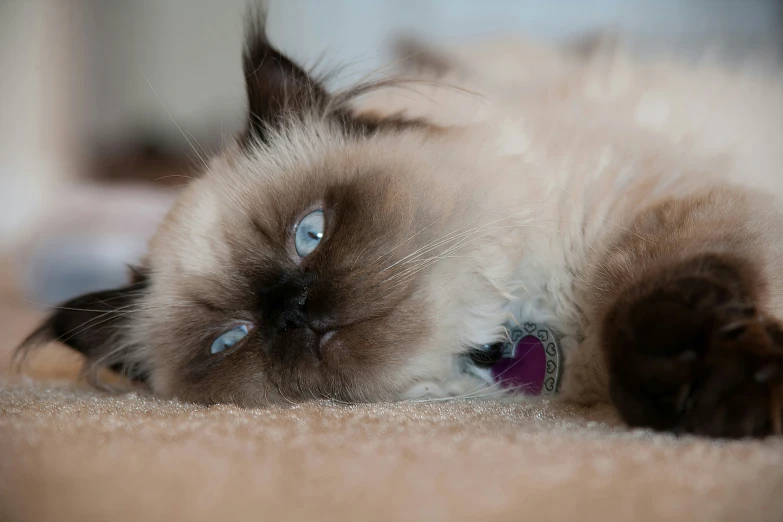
{"type": "Point", "coordinates": [693, 355]}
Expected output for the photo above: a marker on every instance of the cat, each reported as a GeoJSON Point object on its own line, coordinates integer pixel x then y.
{"type": "Point", "coordinates": [356, 245]}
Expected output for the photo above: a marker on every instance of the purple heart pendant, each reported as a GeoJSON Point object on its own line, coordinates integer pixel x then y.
{"type": "Point", "coordinates": [531, 362]}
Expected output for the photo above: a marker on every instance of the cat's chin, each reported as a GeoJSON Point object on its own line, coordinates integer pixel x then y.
{"type": "Point", "coordinates": [462, 386]}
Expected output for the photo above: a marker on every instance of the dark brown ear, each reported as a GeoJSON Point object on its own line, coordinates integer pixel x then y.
{"type": "Point", "coordinates": [93, 324]}
{"type": "Point", "coordinates": [277, 90]}
{"type": "Point", "coordinates": [276, 87]}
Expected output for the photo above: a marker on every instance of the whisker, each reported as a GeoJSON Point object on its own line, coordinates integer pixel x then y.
{"type": "Point", "coordinates": [174, 121]}
{"type": "Point", "coordinates": [175, 176]}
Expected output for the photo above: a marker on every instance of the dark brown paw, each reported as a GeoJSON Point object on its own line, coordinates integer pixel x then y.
{"type": "Point", "coordinates": [692, 354]}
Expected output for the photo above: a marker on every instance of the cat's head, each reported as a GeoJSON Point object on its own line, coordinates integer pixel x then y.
{"type": "Point", "coordinates": [325, 253]}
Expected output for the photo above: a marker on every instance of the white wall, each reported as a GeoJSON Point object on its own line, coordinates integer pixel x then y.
{"type": "Point", "coordinates": [40, 114]}
{"type": "Point", "coordinates": [189, 49]}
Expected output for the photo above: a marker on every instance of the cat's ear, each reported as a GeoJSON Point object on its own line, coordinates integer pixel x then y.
{"type": "Point", "coordinates": [95, 325]}
{"type": "Point", "coordinates": [276, 87]}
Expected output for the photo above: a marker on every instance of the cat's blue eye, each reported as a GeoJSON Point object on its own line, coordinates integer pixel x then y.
{"type": "Point", "coordinates": [228, 339]}
{"type": "Point", "coordinates": [309, 233]}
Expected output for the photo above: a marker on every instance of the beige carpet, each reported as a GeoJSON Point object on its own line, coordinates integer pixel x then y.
{"type": "Point", "coordinates": [69, 453]}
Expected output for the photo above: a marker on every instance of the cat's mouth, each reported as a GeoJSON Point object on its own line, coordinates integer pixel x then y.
{"type": "Point", "coordinates": [325, 339]}
{"type": "Point", "coordinates": [320, 342]}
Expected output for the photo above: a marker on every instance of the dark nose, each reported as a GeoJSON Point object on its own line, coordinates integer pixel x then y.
{"type": "Point", "coordinates": [284, 305]}
{"type": "Point", "coordinates": [290, 305]}
{"type": "Point", "coordinates": [293, 313]}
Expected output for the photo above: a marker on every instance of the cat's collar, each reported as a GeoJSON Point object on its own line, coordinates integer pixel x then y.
{"type": "Point", "coordinates": [530, 361]}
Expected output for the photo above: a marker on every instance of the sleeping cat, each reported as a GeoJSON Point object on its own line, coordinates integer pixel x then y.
{"type": "Point", "coordinates": [356, 245]}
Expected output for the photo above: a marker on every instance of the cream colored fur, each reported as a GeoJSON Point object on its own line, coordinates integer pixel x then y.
{"type": "Point", "coordinates": [542, 162]}
{"type": "Point", "coordinates": [584, 144]}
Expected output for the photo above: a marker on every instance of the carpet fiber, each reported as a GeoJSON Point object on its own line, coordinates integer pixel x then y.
{"type": "Point", "coordinates": [71, 453]}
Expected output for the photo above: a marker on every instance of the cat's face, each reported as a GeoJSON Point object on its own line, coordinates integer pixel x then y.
{"type": "Point", "coordinates": [286, 279]}
{"type": "Point", "coordinates": [309, 260]}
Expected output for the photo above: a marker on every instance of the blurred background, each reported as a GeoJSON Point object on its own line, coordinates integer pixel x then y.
{"type": "Point", "coordinates": [106, 105]}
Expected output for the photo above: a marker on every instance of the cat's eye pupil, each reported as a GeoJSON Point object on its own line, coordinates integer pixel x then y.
{"type": "Point", "coordinates": [309, 233]}
{"type": "Point", "coordinates": [229, 338]}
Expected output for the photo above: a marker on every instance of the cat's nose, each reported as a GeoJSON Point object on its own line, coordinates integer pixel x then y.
{"type": "Point", "coordinates": [295, 306]}
{"type": "Point", "coordinates": [293, 310]}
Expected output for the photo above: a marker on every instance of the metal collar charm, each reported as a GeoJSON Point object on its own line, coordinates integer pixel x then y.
{"type": "Point", "coordinates": [531, 361]}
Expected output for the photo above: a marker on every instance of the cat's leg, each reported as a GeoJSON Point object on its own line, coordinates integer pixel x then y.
{"type": "Point", "coordinates": [688, 323]}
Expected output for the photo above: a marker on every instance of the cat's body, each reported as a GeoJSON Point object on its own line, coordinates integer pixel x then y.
{"type": "Point", "coordinates": [558, 193]}
{"type": "Point", "coordinates": [588, 142]}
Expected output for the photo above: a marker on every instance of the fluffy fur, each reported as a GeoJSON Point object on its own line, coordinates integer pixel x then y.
{"type": "Point", "coordinates": [542, 187]}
